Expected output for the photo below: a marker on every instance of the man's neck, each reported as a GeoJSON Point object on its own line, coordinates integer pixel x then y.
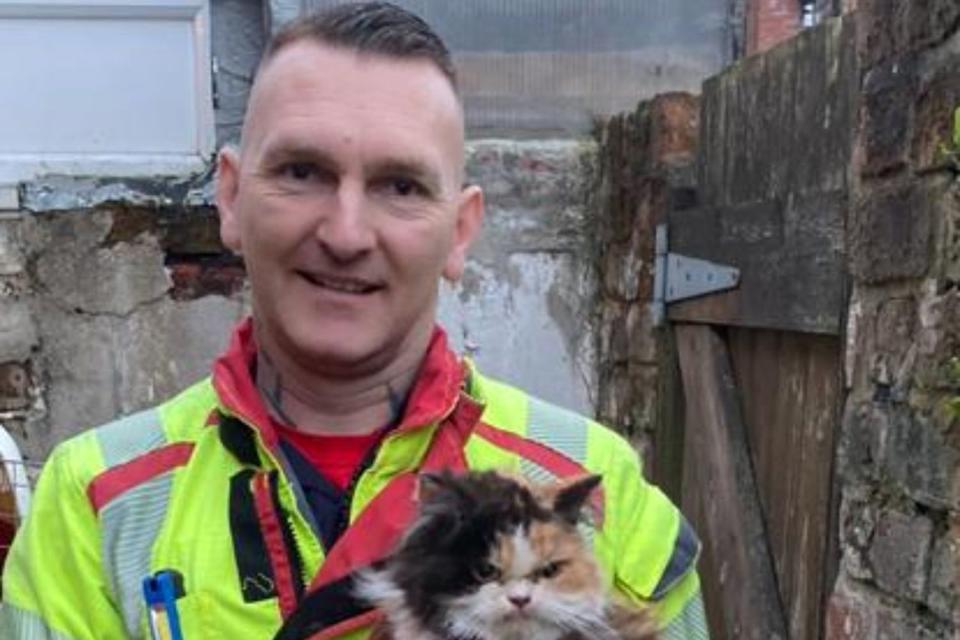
{"type": "Point", "coordinates": [326, 405]}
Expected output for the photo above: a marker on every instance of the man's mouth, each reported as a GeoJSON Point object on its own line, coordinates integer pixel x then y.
{"type": "Point", "coordinates": [343, 285]}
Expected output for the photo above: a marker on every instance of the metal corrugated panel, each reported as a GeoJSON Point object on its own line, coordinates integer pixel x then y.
{"type": "Point", "coordinates": [542, 66]}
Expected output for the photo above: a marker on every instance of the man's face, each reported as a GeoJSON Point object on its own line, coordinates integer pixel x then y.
{"type": "Point", "coordinates": [346, 203]}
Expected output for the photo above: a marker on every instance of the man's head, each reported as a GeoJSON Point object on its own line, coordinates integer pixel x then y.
{"type": "Point", "coordinates": [345, 197]}
{"type": "Point", "coordinates": [369, 27]}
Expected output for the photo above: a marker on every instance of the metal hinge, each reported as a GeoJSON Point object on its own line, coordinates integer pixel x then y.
{"type": "Point", "coordinates": [678, 277]}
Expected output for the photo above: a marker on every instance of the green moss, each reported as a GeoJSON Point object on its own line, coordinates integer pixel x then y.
{"type": "Point", "coordinates": [951, 151]}
{"type": "Point", "coordinates": [956, 130]}
{"type": "Point", "coordinates": [953, 379]}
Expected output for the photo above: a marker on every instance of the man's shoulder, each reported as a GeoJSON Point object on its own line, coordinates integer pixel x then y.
{"type": "Point", "coordinates": [510, 409]}
{"type": "Point", "coordinates": [176, 421]}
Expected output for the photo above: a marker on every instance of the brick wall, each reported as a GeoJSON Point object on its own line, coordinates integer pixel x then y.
{"type": "Point", "coordinates": [900, 456]}
{"type": "Point", "coordinates": [770, 22]}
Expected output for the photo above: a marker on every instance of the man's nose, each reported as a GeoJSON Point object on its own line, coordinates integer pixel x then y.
{"type": "Point", "coordinates": [345, 229]}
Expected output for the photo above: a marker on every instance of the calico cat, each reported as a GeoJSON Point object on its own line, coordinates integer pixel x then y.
{"type": "Point", "coordinates": [492, 557]}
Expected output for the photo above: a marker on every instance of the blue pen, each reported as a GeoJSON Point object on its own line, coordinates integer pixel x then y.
{"type": "Point", "coordinates": [160, 592]}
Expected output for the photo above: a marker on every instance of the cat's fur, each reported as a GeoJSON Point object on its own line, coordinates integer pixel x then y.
{"type": "Point", "coordinates": [491, 557]}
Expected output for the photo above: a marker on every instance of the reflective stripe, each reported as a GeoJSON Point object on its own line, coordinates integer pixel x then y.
{"type": "Point", "coordinates": [563, 431]}
{"type": "Point", "coordinates": [25, 625]}
{"type": "Point", "coordinates": [120, 479]}
{"type": "Point", "coordinates": [686, 550]}
{"type": "Point", "coordinates": [557, 428]}
{"type": "Point", "coordinates": [130, 437]}
{"type": "Point", "coordinates": [691, 624]}
{"type": "Point", "coordinates": [131, 523]}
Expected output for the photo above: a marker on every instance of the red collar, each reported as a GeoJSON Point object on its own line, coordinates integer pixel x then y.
{"type": "Point", "coordinates": [434, 393]}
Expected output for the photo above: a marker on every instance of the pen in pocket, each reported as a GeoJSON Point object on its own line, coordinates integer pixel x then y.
{"type": "Point", "coordinates": [160, 593]}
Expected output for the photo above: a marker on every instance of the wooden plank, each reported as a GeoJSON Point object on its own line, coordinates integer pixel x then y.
{"type": "Point", "coordinates": [725, 502]}
{"type": "Point", "coordinates": [668, 429]}
{"type": "Point", "coordinates": [792, 390]}
{"type": "Point", "coordinates": [694, 503]}
{"type": "Point", "coordinates": [791, 259]}
{"type": "Point", "coordinates": [776, 140]}
{"type": "Point", "coordinates": [783, 122]}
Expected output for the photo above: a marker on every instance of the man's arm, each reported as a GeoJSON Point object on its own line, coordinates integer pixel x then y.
{"type": "Point", "coordinates": [655, 551]}
{"type": "Point", "coordinates": [53, 582]}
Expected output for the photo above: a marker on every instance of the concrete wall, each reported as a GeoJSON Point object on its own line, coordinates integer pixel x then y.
{"type": "Point", "coordinates": [116, 294]}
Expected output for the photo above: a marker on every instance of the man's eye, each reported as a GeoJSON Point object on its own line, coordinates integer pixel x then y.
{"type": "Point", "coordinates": [299, 171]}
{"type": "Point", "coordinates": [405, 187]}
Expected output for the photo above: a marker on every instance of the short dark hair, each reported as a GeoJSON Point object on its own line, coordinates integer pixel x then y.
{"type": "Point", "coordinates": [368, 27]}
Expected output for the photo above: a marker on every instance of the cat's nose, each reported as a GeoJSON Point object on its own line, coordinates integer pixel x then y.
{"type": "Point", "coordinates": [519, 601]}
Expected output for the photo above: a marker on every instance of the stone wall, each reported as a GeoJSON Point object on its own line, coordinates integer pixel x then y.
{"type": "Point", "coordinates": [900, 455]}
{"type": "Point", "coordinates": [115, 294]}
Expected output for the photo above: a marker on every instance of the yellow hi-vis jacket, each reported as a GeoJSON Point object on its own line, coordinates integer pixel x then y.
{"type": "Point", "coordinates": [200, 486]}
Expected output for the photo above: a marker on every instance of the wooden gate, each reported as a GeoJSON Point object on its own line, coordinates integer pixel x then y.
{"type": "Point", "coordinates": [760, 367]}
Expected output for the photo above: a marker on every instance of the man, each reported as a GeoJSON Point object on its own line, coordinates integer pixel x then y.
{"type": "Point", "coordinates": [258, 493]}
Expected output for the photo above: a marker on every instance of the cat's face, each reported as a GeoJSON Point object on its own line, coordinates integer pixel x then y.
{"type": "Point", "coordinates": [491, 558]}
{"type": "Point", "coordinates": [538, 582]}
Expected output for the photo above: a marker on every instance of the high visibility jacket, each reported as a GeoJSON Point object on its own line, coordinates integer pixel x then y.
{"type": "Point", "coordinates": [201, 487]}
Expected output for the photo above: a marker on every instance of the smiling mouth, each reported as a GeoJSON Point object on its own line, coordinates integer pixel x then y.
{"type": "Point", "coordinates": [340, 285]}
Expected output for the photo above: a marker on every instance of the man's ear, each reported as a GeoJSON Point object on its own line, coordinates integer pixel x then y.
{"type": "Point", "coordinates": [228, 184]}
{"type": "Point", "coordinates": [469, 220]}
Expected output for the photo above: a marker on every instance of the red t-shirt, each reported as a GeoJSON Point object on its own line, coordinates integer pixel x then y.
{"type": "Point", "coordinates": [335, 457]}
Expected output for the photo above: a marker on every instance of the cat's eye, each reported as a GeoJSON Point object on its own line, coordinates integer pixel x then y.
{"type": "Point", "coordinates": [549, 570]}
{"type": "Point", "coordinates": [486, 572]}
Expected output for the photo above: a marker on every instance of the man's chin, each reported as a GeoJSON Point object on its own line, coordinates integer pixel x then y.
{"type": "Point", "coordinates": [348, 353]}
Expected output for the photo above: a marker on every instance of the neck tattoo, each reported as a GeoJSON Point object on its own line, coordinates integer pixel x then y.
{"type": "Point", "coordinates": [397, 404]}
{"type": "Point", "coordinates": [270, 385]}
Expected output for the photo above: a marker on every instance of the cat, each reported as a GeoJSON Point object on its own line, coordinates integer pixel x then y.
{"type": "Point", "coordinates": [493, 557]}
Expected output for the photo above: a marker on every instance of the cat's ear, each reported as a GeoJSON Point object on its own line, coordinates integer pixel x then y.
{"type": "Point", "coordinates": [432, 486]}
{"type": "Point", "coordinates": [571, 494]}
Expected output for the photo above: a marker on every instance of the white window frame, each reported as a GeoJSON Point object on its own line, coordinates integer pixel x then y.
{"type": "Point", "coordinates": [18, 167]}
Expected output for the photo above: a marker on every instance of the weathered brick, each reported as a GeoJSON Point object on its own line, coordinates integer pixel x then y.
{"type": "Point", "coordinates": [675, 129]}
{"type": "Point", "coordinates": [877, 29]}
{"type": "Point", "coordinates": [950, 243]}
{"type": "Point", "coordinates": [930, 22]}
{"type": "Point", "coordinates": [18, 335]}
{"type": "Point", "coordinates": [901, 623]}
{"type": "Point", "coordinates": [849, 615]}
{"type": "Point", "coordinates": [892, 233]}
{"type": "Point", "coordinates": [11, 256]}
{"type": "Point", "coordinates": [642, 339]}
{"type": "Point", "coordinates": [770, 22]}
{"type": "Point", "coordinates": [936, 101]}
{"type": "Point", "coordinates": [887, 28]}
{"type": "Point", "coordinates": [900, 554]}
{"type": "Point", "coordinates": [14, 386]}
{"type": "Point", "coordinates": [919, 458]}
{"type": "Point", "coordinates": [196, 277]}
{"type": "Point", "coordinates": [945, 573]}
{"type": "Point", "coordinates": [887, 112]}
